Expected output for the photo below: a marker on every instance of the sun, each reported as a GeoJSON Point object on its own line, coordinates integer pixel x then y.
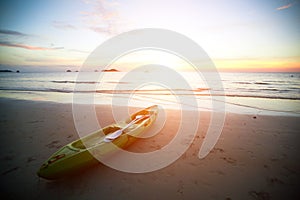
{"type": "Point", "coordinates": [147, 57]}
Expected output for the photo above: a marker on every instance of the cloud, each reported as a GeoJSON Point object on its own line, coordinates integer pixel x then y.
{"type": "Point", "coordinates": [98, 29]}
{"type": "Point", "coordinates": [63, 25]}
{"type": "Point", "coordinates": [284, 7]}
{"type": "Point", "coordinates": [53, 60]}
{"type": "Point", "coordinates": [103, 18]}
{"type": "Point", "coordinates": [35, 48]}
{"type": "Point", "coordinates": [10, 32]}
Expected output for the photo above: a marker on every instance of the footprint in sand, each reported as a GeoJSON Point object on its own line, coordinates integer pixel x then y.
{"type": "Point", "coordinates": [9, 171]}
{"type": "Point", "coordinates": [274, 159]}
{"type": "Point", "coordinates": [260, 195]}
{"type": "Point", "coordinates": [53, 144]}
{"type": "Point", "coordinates": [218, 172]}
{"type": "Point", "coordinates": [274, 180]}
{"type": "Point", "coordinates": [30, 159]}
{"type": "Point", "coordinates": [180, 187]}
{"type": "Point", "coordinates": [8, 158]}
{"type": "Point", "coordinates": [229, 160]}
{"type": "Point", "coordinates": [293, 171]}
{"type": "Point", "coordinates": [215, 150]}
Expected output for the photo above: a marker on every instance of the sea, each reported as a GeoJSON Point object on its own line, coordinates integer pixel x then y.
{"type": "Point", "coordinates": [244, 93]}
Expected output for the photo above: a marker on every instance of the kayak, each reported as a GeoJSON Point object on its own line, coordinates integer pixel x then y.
{"type": "Point", "coordinates": [77, 154]}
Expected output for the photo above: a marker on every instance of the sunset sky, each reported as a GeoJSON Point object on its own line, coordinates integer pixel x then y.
{"type": "Point", "coordinates": [247, 35]}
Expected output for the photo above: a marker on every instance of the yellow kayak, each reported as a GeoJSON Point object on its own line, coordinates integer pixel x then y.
{"type": "Point", "coordinates": [76, 155]}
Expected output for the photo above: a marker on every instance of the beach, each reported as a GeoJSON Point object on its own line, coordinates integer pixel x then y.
{"type": "Point", "coordinates": [223, 80]}
{"type": "Point", "coordinates": [256, 157]}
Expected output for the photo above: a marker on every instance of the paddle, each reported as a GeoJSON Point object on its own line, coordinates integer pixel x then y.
{"type": "Point", "coordinates": [119, 132]}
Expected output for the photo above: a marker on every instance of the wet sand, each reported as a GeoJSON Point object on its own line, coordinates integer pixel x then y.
{"type": "Point", "coordinates": [256, 157]}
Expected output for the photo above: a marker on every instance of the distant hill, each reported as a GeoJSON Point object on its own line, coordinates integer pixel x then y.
{"type": "Point", "coordinates": [110, 70]}
{"type": "Point", "coordinates": [5, 70]}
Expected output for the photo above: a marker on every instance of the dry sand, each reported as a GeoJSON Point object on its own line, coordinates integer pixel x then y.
{"type": "Point", "coordinates": [256, 157]}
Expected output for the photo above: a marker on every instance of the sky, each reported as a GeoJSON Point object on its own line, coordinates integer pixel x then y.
{"type": "Point", "coordinates": [248, 35]}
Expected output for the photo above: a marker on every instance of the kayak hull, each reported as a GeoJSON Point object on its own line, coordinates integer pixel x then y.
{"type": "Point", "coordinates": [77, 155]}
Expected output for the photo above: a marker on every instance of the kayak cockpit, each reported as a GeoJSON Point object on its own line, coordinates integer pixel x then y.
{"type": "Point", "coordinates": [93, 139]}
{"type": "Point", "coordinates": [141, 118]}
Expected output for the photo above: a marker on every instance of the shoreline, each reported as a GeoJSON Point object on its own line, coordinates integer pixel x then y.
{"type": "Point", "coordinates": [234, 105]}
{"type": "Point", "coordinates": [255, 157]}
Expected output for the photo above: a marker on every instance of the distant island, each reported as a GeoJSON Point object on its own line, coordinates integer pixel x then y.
{"type": "Point", "coordinates": [110, 70]}
{"type": "Point", "coordinates": [6, 70]}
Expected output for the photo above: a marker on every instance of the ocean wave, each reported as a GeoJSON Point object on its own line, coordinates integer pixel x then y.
{"type": "Point", "coordinates": [251, 83]}
{"type": "Point", "coordinates": [242, 82]}
{"type": "Point", "coordinates": [89, 82]}
{"type": "Point", "coordinates": [164, 92]}
{"type": "Point", "coordinates": [261, 96]}
{"type": "Point", "coordinates": [262, 83]}
{"type": "Point", "coordinates": [77, 82]}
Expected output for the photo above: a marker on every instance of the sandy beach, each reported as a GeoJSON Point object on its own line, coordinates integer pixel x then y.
{"type": "Point", "coordinates": [256, 157]}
